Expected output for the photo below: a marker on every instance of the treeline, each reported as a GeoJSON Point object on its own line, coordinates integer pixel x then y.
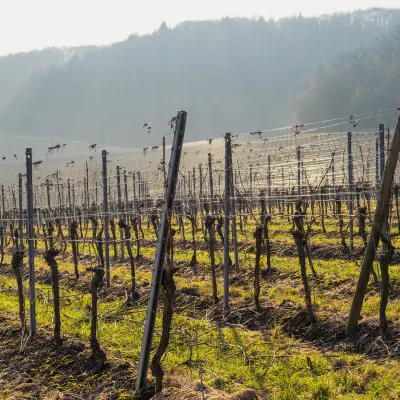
{"type": "Point", "coordinates": [361, 81]}
{"type": "Point", "coordinates": [17, 69]}
{"type": "Point", "coordinates": [230, 75]}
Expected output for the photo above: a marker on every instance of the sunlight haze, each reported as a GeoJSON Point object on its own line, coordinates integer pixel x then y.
{"type": "Point", "coordinates": [26, 25]}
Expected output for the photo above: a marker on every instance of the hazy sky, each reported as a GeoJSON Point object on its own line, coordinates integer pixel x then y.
{"type": "Point", "coordinates": [35, 24]}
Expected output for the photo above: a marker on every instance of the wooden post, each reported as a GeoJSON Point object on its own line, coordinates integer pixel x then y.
{"type": "Point", "coordinates": [31, 244]}
{"type": "Point", "coordinates": [96, 192]}
{"type": "Point", "coordinates": [69, 195]}
{"type": "Point", "coordinates": [83, 200]}
{"type": "Point", "coordinates": [87, 196]}
{"type": "Point", "coordinates": [139, 187]}
{"type": "Point", "coordinates": [126, 195]}
{"type": "Point", "coordinates": [350, 190]}
{"type": "Point", "coordinates": [210, 176]}
{"type": "Point", "coordinates": [194, 182]}
{"type": "Point", "coordinates": [201, 197]}
{"type": "Point", "coordinates": [189, 184]}
{"type": "Point", "coordinates": [376, 231]}
{"type": "Point", "coordinates": [120, 216]}
{"type": "Point", "coordinates": [48, 197]}
{"type": "Point", "coordinates": [381, 169]}
{"type": "Point", "coordinates": [333, 183]}
{"type": "Point", "coordinates": [164, 162]}
{"type": "Point", "coordinates": [20, 214]}
{"type": "Point", "coordinates": [161, 250]}
{"type": "Point", "coordinates": [377, 164]}
{"type": "Point", "coordinates": [106, 216]}
{"type": "Point", "coordinates": [226, 220]}
{"type": "Point", "coordinates": [233, 213]}
{"type": "Point", "coordinates": [251, 183]}
{"type": "Point", "coordinates": [134, 190]}
{"type": "Point", "coordinates": [73, 198]}
{"type": "Point", "coordinates": [3, 210]}
{"type": "Point", "coordinates": [298, 170]}
{"type": "Point", "coordinates": [269, 185]}
{"type": "Point", "coordinates": [381, 150]}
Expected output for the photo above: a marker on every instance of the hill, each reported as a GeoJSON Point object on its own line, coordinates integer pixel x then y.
{"type": "Point", "coordinates": [364, 80]}
{"type": "Point", "coordinates": [230, 75]}
{"type": "Point", "coordinates": [17, 69]}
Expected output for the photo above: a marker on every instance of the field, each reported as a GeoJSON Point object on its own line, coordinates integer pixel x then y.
{"type": "Point", "coordinates": [265, 345]}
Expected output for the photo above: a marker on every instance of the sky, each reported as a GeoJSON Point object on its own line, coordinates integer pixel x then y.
{"type": "Point", "coordinates": [35, 24]}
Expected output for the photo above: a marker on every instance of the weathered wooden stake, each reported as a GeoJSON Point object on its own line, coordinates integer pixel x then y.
{"type": "Point", "coordinates": [161, 250]}
{"type": "Point", "coordinates": [381, 169]}
{"type": "Point", "coordinates": [298, 170]}
{"type": "Point", "coordinates": [31, 238]}
{"type": "Point", "coordinates": [20, 214]}
{"type": "Point", "coordinates": [126, 195]}
{"type": "Point", "coordinates": [233, 213]}
{"type": "Point", "coordinates": [376, 231]}
{"type": "Point", "coordinates": [121, 231]}
{"type": "Point", "coordinates": [106, 217]}
{"type": "Point", "coordinates": [377, 164]}
{"type": "Point", "coordinates": [226, 220]}
{"type": "Point", "coordinates": [269, 186]}
{"type": "Point", "coordinates": [210, 176]}
{"type": "Point", "coordinates": [201, 197]}
{"type": "Point", "coordinates": [350, 190]}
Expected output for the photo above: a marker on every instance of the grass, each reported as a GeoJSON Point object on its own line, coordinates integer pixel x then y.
{"type": "Point", "coordinates": [230, 357]}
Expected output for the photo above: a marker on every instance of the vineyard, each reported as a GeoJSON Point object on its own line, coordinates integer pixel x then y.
{"type": "Point", "coordinates": [258, 265]}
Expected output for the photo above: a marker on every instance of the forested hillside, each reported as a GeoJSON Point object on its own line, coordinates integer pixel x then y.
{"type": "Point", "coordinates": [230, 75]}
{"type": "Point", "coordinates": [365, 80]}
{"type": "Point", "coordinates": [17, 69]}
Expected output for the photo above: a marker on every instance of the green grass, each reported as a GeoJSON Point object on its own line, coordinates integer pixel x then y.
{"type": "Point", "coordinates": [232, 357]}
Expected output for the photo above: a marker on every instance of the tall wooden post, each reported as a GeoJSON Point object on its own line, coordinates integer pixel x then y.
{"type": "Point", "coordinates": [87, 196]}
{"type": "Point", "coordinates": [333, 191]}
{"type": "Point", "coordinates": [381, 169]}
{"type": "Point", "coordinates": [201, 197]}
{"type": "Point", "coordinates": [48, 197]}
{"type": "Point", "coordinates": [210, 176]}
{"type": "Point", "coordinates": [251, 183]}
{"type": "Point", "coordinates": [3, 202]}
{"type": "Point", "coordinates": [233, 212]}
{"type": "Point", "coordinates": [31, 239]}
{"type": "Point", "coordinates": [269, 186]}
{"type": "Point", "coordinates": [119, 194]}
{"type": "Point", "coordinates": [377, 163]}
{"type": "Point", "coordinates": [21, 214]}
{"type": "Point", "coordinates": [69, 195]}
{"type": "Point", "coordinates": [226, 220]}
{"type": "Point", "coordinates": [73, 198]}
{"type": "Point", "coordinates": [381, 212]}
{"type": "Point", "coordinates": [106, 216]}
{"type": "Point", "coordinates": [2, 214]}
{"type": "Point", "coordinates": [134, 190]}
{"type": "Point", "coordinates": [139, 184]}
{"type": "Point", "coordinates": [126, 195]}
{"type": "Point", "coordinates": [350, 189]}
{"type": "Point", "coordinates": [381, 149]}
{"type": "Point", "coordinates": [161, 250]}
{"type": "Point", "coordinates": [298, 170]}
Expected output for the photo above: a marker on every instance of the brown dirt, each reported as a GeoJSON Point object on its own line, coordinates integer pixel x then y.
{"type": "Point", "coordinates": [43, 371]}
